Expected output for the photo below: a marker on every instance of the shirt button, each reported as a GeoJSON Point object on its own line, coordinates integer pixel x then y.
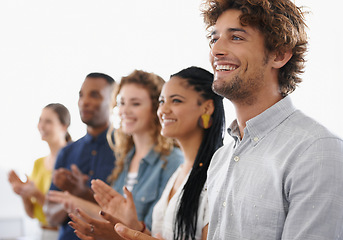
{"type": "Point", "coordinates": [224, 204]}
{"type": "Point", "coordinates": [90, 173]}
{"type": "Point", "coordinates": [93, 152]}
{"type": "Point", "coordinates": [256, 139]}
{"type": "Point", "coordinates": [142, 199]}
{"type": "Point", "coordinates": [236, 159]}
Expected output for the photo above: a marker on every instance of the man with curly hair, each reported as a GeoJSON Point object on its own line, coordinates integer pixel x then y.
{"type": "Point", "coordinates": [282, 175]}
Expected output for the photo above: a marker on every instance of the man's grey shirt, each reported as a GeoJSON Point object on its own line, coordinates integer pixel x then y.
{"type": "Point", "coordinates": [283, 180]}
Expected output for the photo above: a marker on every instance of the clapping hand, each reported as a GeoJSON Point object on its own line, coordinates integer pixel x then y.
{"type": "Point", "coordinates": [88, 228]}
{"type": "Point", "coordinates": [73, 181]}
{"type": "Point", "coordinates": [69, 201]}
{"type": "Point", "coordinates": [25, 189]}
{"type": "Point", "coordinates": [115, 204]}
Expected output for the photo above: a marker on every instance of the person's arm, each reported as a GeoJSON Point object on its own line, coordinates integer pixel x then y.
{"type": "Point", "coordinates": [71, 203]}
{"type": "Point", "coordinates": [314, 191]}
{"type": "Point", "coordinates": [130, 234]}
{"type": "Point", "coordinates": [54, 212]}
{"type": "Point", "coordinates": [29, 193]}
{"type": "Point", "coordinates": [28, 206]}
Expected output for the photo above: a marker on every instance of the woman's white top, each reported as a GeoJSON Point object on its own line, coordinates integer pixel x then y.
{"type": "Point", "coordinates": [163, 216]}
{"type": "Point", "coordinates": [131, 180]}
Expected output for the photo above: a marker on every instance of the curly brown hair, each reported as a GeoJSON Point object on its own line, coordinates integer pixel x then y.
{"type": "Point", "coordinates": [280, 21]}
{"type": "Point", "coordinates": [123, 142]}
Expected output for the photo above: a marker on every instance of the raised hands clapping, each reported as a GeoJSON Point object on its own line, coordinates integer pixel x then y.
{"type": "Point", "coordinates": [115, 204]}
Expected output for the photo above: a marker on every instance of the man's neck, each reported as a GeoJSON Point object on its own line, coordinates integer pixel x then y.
{"type": "Point", "coordinates": [246, 111]}
{"type": "Point", "coordinates": [95, 131]}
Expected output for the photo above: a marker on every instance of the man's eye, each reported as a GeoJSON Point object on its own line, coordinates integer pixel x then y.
{"type": "Point", "coordinates": [95, 95]}
{"type": "Point", "coordinates": [236, 38]}
{"type": "Point", "coordinates": [213, 41]}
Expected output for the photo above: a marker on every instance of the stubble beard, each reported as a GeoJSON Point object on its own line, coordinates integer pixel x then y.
{"type": "Point", "coordinates": [238, 89]}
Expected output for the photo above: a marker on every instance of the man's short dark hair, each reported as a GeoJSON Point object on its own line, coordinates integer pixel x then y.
{"type": "Point", "coordinates": [108, 79]}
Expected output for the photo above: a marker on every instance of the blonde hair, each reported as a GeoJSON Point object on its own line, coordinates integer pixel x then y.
{"type": "Point", "coordinates": [123, 142]}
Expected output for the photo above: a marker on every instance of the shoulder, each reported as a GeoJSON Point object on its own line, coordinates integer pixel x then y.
{"type": "Point", "coordinates": [39, 161]}
{"type": "Point", "coordinates": [38, 165]}
{"type": "Point", "coordinates": [307, 126]}
{"type": "Point", "coordinates": [73, 145]}
{"type": "Point", "coordinates": [307, 133]}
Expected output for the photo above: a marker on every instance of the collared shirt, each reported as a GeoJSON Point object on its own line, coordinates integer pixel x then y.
{"type": "Point", "coordinates": [151, 180]}
{"type": "Point", "coordinates": [94, 157]}
{"type": "Point", "coordinates": [283, 180]}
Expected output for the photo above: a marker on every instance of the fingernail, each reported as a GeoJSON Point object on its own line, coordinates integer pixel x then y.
{"type": "Point", "coordinates": [119, 228]}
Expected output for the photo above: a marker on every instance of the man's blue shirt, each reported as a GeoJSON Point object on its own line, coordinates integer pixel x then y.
{"type": "Point", "coordinates": [94, 157]}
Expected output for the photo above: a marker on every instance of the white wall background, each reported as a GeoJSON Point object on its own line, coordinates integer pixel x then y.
{"type": "Point", "coordinates": [48, 47]}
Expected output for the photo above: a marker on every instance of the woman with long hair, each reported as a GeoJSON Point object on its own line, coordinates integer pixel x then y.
{"type": "Point", "coordinates": [193, 114]}
{"type": "Point", "coordinates": [182, 212]}
{"type": "Point", "coordinates": [145, 160]}
{"type": "Point", "coordinates": [53, 126]}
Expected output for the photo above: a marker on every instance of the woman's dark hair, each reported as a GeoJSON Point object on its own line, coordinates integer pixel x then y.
{"type": "Point", "coordinates": [187, 215]}
{"type": "Point", "coordinates": [63, 116]}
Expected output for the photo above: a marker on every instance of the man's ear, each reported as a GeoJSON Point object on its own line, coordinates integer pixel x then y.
{"type": "Point", "coordinates": [281, 58]}
{"type": "Point", "coordinates": [208, 106]}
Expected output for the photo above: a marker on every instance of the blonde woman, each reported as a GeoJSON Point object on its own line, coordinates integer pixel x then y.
{"type": "Point", "coordinates": [145, 160]}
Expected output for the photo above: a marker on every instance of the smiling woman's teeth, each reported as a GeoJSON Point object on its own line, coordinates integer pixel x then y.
{"type": "Point", "coordinates": [225, 68]}
{"type": "Point", "coordinates": [168, 120]}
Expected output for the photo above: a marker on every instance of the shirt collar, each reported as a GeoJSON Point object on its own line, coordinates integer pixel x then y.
{"type": "Point", "coordinates": [259, 126]}
{"type": "Point", "coordinates": [150, 158]}
{"type": "Point", "coordinates": [101, 138]}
